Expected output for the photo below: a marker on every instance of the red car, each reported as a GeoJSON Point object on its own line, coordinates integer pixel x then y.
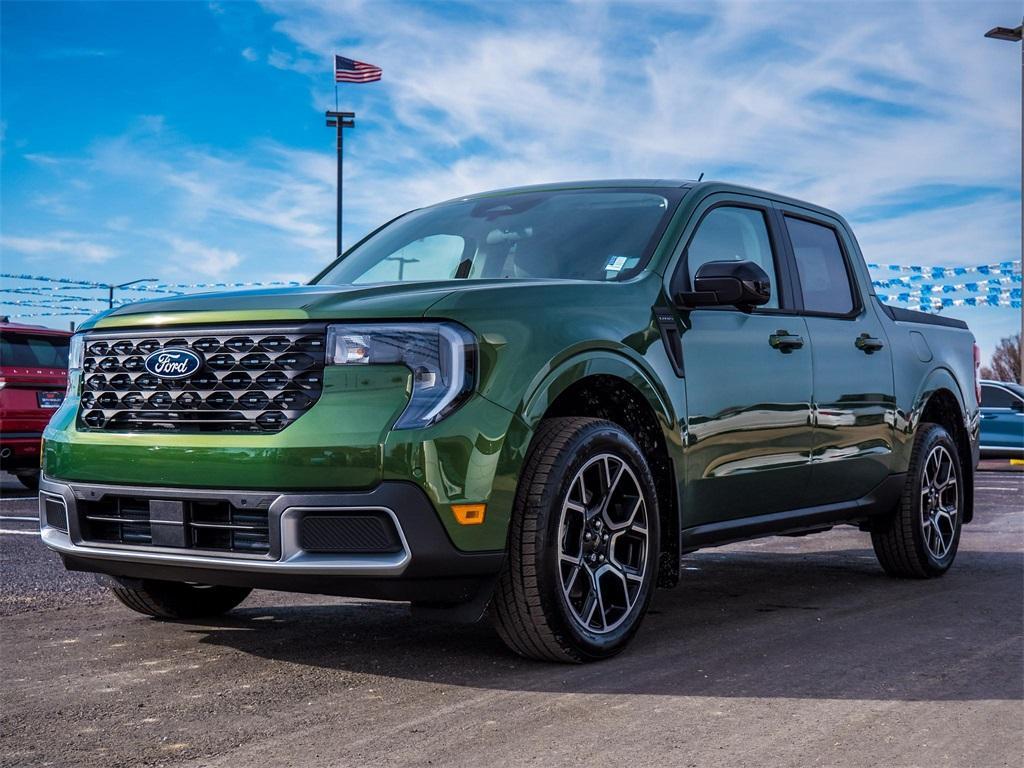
{"type": "Point", "coordinates": [33, 379]}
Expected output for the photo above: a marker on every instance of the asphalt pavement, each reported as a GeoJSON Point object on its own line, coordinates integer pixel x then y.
{"type": "Point", "coordinates": [777, 652]}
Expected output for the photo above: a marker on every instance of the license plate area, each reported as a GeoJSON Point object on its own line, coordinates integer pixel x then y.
{"type": "Point", "coordinates": [49, 399]}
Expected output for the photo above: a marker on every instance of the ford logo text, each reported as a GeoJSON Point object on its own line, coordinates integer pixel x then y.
{"type": "Point", "coordinates": [173, 363]}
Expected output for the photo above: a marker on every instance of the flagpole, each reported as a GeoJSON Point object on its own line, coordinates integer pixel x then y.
{"type": "Point", "coordinates": [340, 120]}
{"type": "Point", "coordinates": [354, 72]}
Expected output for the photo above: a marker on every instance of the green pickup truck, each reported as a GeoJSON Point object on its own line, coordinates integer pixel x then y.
{"type": "Point", "coordinates": [528, 403]}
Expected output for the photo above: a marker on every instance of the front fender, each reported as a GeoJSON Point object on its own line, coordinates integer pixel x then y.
{"type": "Point", "coordinates": [561, 377]}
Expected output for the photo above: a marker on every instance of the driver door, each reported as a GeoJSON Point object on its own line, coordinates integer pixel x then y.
{"type": "Point", "coordinates": [748, 376]}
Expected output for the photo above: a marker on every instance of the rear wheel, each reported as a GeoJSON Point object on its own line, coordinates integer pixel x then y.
{"type": "Point", "coordinates": [920, 540]}
{"type": "Point", "coordinates": [583, 544]}
{"type": "Point", "coordinates": [174, 600]}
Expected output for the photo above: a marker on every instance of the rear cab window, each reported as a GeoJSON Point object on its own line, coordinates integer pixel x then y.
{"type": "Point", "coordinates": [821, 268]}
{"type": "Point", "coordinates": [21, 350]}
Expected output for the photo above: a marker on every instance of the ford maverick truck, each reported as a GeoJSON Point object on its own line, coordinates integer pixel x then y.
{"type": "Point", "coordinates": [528, 403]}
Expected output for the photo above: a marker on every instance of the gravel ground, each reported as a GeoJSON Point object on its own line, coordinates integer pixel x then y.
{"type": "Point", "coordinates": [778, 652]}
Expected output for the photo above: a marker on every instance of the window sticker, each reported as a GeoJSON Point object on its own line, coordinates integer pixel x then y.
{"type": "Point", "coordinates": [616, 263]}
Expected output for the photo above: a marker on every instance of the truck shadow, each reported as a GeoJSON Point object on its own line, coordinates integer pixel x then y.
{"type": "Point", "coordinates": [818, 625]}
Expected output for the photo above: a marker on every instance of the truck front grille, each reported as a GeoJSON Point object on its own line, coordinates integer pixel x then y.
{"type": "Point", "coordinates": [250, 379]}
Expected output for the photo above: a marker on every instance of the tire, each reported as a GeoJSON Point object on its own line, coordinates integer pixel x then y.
{"type": "Point", "coordinates": [171, 600]}
{"type": "Point", "coordinates": [29, 479]}
{"type": "Point", "coordinates": [920, 540]}
{"type": "Point", "coordinates": [555, 578]}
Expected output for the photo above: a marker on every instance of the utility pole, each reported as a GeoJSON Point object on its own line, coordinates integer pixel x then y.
{"type": "Point", "coordinates": [112, 288]}
{"type": "Point", "coordinates": [341, 121]}
{"type": "Point", "coordinates": [402, 261]}
{"type": "Point", "coordinates": [1014, 35]}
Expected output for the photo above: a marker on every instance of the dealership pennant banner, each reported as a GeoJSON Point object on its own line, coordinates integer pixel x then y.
{"type": "Point", "coordinates": [920, 287]}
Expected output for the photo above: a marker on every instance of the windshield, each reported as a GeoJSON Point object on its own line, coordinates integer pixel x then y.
{"type": "Point", "coordinates": [570, 235]}
{"type": "Point", "coordinates": [22, 350]}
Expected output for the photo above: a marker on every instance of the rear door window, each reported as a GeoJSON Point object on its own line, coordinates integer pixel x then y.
{"type": "Point", "coordinates": [824, 279]}
{"type": "Point", "coordinates": [25, 351]}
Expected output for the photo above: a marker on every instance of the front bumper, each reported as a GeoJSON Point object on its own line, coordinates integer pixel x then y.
{"type": "Point", "coordinates": [343, 443]}
{"type": "Point", "coordinates": [425, 566]}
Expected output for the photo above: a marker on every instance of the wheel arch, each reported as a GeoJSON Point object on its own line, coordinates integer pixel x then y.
{"type": "Point", "coordinates": [611, 387]}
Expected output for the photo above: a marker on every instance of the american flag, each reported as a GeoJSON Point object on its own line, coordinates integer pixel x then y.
{"type": "Point", "coordinates": [352, 71]}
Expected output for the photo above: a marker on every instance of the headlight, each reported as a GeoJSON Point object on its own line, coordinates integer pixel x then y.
{"type": "Point", "coordinates": [441, 356]}
{"type": "Point", "coordinates": [76, 355]}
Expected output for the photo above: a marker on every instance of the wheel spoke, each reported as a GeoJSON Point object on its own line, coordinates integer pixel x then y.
{"type": "Point", "coordinates": [600, 603]}
{"type": "Point", "coordinates": [629, 522]}
{"type": "Point", "coordinates": [949, 478]}
{"type": "Point", "coordinates": [940, 540]}
{"type": "Point", "coordinates": [589, 607]}
{"type": "Point", "coordinates": [583, 491]}
{"type": "Point", "coordinates": [572, 580]}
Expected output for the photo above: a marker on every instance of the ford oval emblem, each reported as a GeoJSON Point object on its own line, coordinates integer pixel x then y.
{"type": "Point", "coordinates": [173, 363]}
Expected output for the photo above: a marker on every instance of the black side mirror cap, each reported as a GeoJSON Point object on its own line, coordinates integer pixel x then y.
{"type": "Point", "coordinates": [741, 284]}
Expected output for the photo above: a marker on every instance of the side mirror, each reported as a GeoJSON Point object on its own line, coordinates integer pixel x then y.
{"type": "Point", "coordinates": [1017, 405]}
{"type": "Point", "coordinates": [741, 284]}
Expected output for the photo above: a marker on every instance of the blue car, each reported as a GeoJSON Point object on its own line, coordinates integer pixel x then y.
{"type": "Point", "coordinates": [1002, 418]}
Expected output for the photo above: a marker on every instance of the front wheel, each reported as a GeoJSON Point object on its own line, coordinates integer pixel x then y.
{"type": "Point", "coordinates": [920, 540]}
{"type": "Point", "coordinates": [583, 544]}
{"type": "Point", "coordinates": [173, 600]}
{"type": "Point", "coordinates": [29, 479]}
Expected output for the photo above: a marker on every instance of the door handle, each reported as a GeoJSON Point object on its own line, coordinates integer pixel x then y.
{"type": "Point", "coordinates": [785, 342]}
{"type": "Point", "coordinates": [868, 344]}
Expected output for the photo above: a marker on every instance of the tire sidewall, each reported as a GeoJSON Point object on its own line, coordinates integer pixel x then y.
{"type": "Point", "coordinates": [30, 480]}
{"type": "Point", "coordinates": [935, 437]}
{"type": "Point", "coordinates": [593, 442]}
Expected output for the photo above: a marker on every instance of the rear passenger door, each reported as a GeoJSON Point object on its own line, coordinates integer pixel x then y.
{"type": "Point", "coordinates": [853, 402]}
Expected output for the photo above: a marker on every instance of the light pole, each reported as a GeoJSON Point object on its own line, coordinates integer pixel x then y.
{"type": "Point", "coordinates": [1014, 35]}
{"type": "Point", "coordinates": [112, 288]}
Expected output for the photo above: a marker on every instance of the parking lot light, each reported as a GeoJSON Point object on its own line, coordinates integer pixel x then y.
{"type": "Point", "coordinates": [1015, 35]}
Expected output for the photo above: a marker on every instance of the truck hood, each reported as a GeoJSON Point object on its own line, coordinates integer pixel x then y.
{"type": "Point", "coordinates": [309, 302]}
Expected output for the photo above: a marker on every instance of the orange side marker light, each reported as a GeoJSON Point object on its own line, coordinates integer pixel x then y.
{"type": "Point", "coordinates": [469, 514]}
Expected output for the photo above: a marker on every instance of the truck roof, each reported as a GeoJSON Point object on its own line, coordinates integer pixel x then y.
{"type": "Point", "coordinates": [39, 330]}
{"type": "Point", "coordinates": [708, 186]}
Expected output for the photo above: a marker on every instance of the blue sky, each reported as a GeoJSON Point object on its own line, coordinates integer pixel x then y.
{"type": "Point", "coordinates": [185, 141]}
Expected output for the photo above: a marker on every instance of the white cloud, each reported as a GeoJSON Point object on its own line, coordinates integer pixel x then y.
{"type": "Point", "coordinates": [832, 101]}
{"type": "Point", "coordinates": [972, 233]}
{"type": "Point", "coordinates": [194, 257]}
{"type": "Point", "coordinates": [901, 116]}
{"type": "Point", "coordinates": [59, 244]}
{"type": "Point", "coordinates": [41, 159]}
